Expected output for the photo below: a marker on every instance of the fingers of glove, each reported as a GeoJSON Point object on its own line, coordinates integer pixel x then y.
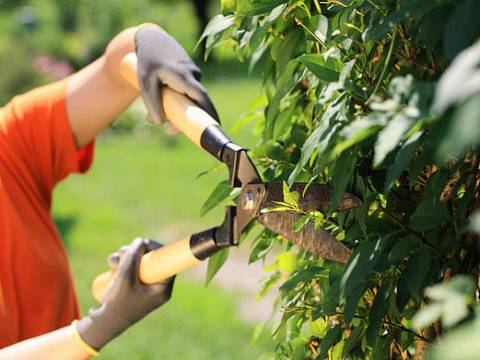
{"type": "Point", "coordinates": [185, 83]}
{"type": "Point", "coordinates": [152, 99]}
{"type": "Point", "coordinates": [152, 245]}
{"type": "Point", "coordinates": [114, 258]}
{"type": "Point", "coordinates": [113, 261]}
{"type": "Point", "coordinates": [130, 261]}
{"type": "Point", "coordinates": [162, 290]}
{"type": "Point", "coordinates": [194, 70]}
{"type": "Point", "coordinates": [199, 95]}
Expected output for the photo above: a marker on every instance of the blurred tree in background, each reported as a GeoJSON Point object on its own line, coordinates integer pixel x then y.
{"type": "Point", "coordinates": [45, 40]}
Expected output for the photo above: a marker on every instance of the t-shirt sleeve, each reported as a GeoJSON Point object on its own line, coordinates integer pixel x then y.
{"type": "Point", "coordinates": [35, 126]}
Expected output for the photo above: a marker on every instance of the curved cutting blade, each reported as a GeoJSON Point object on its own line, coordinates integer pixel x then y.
{"type": "Point", "coordinates": [316, 241]}
{"type": "Point", "coordinates": [312, 197]}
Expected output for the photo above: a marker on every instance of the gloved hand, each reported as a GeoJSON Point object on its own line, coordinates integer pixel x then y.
{"type": "Point", "coordinates": [162, 61]}
{"type": "Point", "coordinates": [126, 300]}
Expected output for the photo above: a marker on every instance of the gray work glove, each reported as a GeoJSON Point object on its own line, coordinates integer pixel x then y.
{"type": "Point", "coordinates": [162, 61]}
{"type": "Point", "coordinates": [126, 300]}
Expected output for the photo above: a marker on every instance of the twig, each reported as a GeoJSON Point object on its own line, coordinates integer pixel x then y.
{"type": "Point", "coordinates": [300, 23]}
{"type": "Point", "coordinates": [377, 7]}
{"type": "Point", "coordinates": [408, 229]}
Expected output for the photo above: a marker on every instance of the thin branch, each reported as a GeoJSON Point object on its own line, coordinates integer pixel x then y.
{"type": "Point", "coordinates": [300, 23]}
{"type": "Point", "coordinates": [408, 229]}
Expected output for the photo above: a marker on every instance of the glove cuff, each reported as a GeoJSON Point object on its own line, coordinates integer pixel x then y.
{"type": "Point", "coordinates": [90, 350]}
{"type": "Point", "coordinates": [100, 327]}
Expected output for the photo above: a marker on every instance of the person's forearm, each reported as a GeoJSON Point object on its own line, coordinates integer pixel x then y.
{"type": "Point", "coordinates": [59, 344]}
{"type": "Point", "coordinates": [97, 94]}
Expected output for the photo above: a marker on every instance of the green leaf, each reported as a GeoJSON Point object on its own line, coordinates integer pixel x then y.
{"type": "Point", "coordinates": [361, 265]}
{"type": "Point", "coordinates": [317, 141]}
{"type": "Point", "coordinates": [427, 316]}
{"type": "Point", "coordinates": [261, 246]}
{"type": "Point", "coordinates": [216, 26]}
{"type": "Point", "coordinates": [301, 222]}
{"type": "Point", "coordinates": [344, 168]}
{"type": "Point", "coordinates": [319, 327]}
{"type": "Point", "coordinates": [462, 28]}
{"type": "Point", "coordinates": [406, 9]}
{"type": "Point", "coordinates": [267, 284]}
{"type": "Point", "coordinates": [402, 159]}
{"type": "Point", "coordinates": [301, 277]}
{"type": "Point", "coordinates": [290, 47]}
{"type": "Point", "coordinates": [219, 194]}
{"type": "Point", "coordinates": [354, 338]}
{"type": "Point", "coordinates": [258, 7]}
{"type": "Point", "coordinates": [402, 248]}
{"type": "Point", "coordinates": [431, 212]}
{"type": "Point", "coordinates": [403, 294]}
{"type": "Point", "coordinates": [352, 301]}
{"type": "Point", "coordinates": [377, 312]}
{"type": "Point", "coordinates": [287, 82]}
{"type": "Point", "coordinates": [475, 222]}
{"type": "Point", "coordinates": [381, 349]}
{"type": "Point", "coordinates": [283, 121]}
{"type": "Point", "coordinates": [451, 300]}
{"type": "Point", "coordinates": [462, 131]}
{"type": "Point", "coordinates": [287, 262]}
{"type": "Point", "coordinates": [290, 197]}
{"type": "Point", "coordinates": [417, 270]}
{"type": "Point", "coordinates": [215, 263]}
{"type": "Point", "coordinates": [389, 138]}
{"type": "Point", "coordinates": [461, 343]}
{"type": "Point", "coordinates": [459, 81]}
{"type": "Point", "coordinates": [318, 24]}
{"type": "Point", "coordinates": [319, 67]}
{"type": "Point", "coordinates": [333, 336]}
{"type": "Point", "coordinates": [358, 130]}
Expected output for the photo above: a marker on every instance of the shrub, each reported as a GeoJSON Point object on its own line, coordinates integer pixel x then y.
{"type": "Point", "coordinates": [379, 98]}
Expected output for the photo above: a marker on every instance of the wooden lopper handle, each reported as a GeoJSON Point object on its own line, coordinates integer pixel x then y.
{"type": "Point", "coordinates": [176, 257]}
{"type": "Point", "coordinates": [180, 110]}
{"type": "Point", "coordinates": [155, 266]}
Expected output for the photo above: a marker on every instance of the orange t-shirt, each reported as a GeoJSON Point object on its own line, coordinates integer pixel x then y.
{"type": "Point", "coordinates": [37, 150]}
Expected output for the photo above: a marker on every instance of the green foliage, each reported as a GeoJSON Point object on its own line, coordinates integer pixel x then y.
{"type": "Point", "coordinates": [379, 98]}
{"type": "Point", "coordinates": [72, 33]}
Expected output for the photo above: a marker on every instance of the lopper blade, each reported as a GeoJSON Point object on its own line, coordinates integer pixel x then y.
{"type": "Point", "coordinates": [312, 197]}
{"type": "Point", "coordinates": [316, 241]}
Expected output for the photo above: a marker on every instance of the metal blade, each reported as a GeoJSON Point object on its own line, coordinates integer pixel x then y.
{"type": "Point", "coordinates": [316, 241]}
{"type": "Point", "coordinates": [247, 172]}
{"type": "Point", "coordinates": [313, 197]}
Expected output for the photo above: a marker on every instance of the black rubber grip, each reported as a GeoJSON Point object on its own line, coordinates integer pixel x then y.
{"type": "Point", "coordinates": [203, 244]}
{"type": "Point", "coordinates": [214, 139]}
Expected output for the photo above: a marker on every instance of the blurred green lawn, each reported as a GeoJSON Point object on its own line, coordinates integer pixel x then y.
{"type": "Point", "coordinates": [147, 186]}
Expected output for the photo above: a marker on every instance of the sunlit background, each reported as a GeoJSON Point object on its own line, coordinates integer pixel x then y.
{"type": "Point", "coordinates": [142, 183]}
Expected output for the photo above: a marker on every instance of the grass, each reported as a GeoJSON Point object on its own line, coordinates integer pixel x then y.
{"type": "Point", "coordinates": [147, 186]}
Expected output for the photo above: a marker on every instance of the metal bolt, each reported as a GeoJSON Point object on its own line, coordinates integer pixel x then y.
{"type": "Point", "coordinates": [248, 200]}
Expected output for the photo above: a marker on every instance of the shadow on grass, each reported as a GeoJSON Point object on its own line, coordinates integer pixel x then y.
{"type": "Point", "coordinates": [65, 225]}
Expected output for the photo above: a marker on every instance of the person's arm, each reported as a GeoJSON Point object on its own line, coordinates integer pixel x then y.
{"type": "Point", "coordinates": [98, 93]}
{"type": "Point", "coordinates": [60, 344]}
{"type": "Point", "coordinates": [126, 302]}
